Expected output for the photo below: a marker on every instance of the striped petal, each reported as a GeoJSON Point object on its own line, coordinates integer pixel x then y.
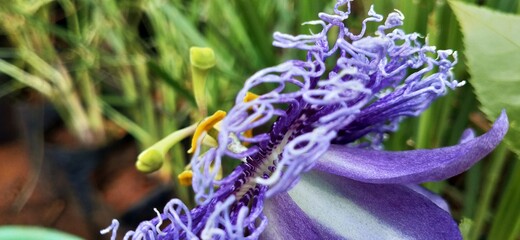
{"type": "Point", "coordinates": [324, 206]}
{"type": "Point", "coordinates": [438, 200]}
{"type": "Point", "coordinates": [416, 166]}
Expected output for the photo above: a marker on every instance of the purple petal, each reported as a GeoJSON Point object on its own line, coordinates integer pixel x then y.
{"type": "Point", "coordinates": [287, 221]}
{"type": "Point", "coordinates": [438, 200]}
{"type": "Point", "coordinates": [414, 166]}
{"type": "Point", "coordinates": [325, 206]}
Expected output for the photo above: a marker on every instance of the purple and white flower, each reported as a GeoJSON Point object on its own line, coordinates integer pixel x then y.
{"type": "Point", "coordinates": [315, 168]}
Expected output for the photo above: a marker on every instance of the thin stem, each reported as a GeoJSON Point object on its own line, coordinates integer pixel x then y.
{"type": "Point", "coordinates": [495, 170]}
{"type": "Point", "coordinates": [506, 221]}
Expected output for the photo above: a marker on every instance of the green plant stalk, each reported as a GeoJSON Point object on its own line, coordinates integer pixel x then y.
{"type": "Point", "coordinates": [10, 87]}
{"type": "Point", "coordinates": [165, 30]}
{"type": "Point", "coordinates": [507, 6]}
{"type": "Point", "coordinates": [64, 96]}
{"type": "Point", "coordinates": [423, 9]}
{"type": "Point", "coordinates": [429, 121]}
{"type": "Point", "coordinates": [146, 103]}
{"type": "Point", "coordinates": [506, 221]}
{"type": "Point", "coordinates": [408, 8]}
{"type": "Point", "coordinates": [127, 81]}
{"type": "Point", "coordinates": [77, 116]}
{"type": "Point", "coordinates": [426, 127]}
{"type": "Point", "coordinates": [444, 110]}
{"type": "Point", "coordinates": [28, 79]}
{"type": "Point", "coordinates": [176, 163]}
{"type": "Point", "coordinates": [116, 36]}
{"type": "Point", "coordinates": [130, 126]}
{"type": "Point", "coordinates": [443, 15]}
{"type": "Point", "coordinates": [492, 3]}
{"type": "Point", "coordinates": [472, 185]}
{"type": "Point", "coordinates": [424, 140]}
{"type": "Point", "coordinates": [85, 84]}
{"type": "Point", "coordinates": [238, 29]}
{"type": "Point", "coordinates": [461, 118]}
{"type": "Point", "coordinates": [72, 19]}
{"type": "Point", "coordinates": [250, 15]}
{"type": "Point", "coordinates": [92, 105]}
{"type": "Point", "coordinates": [168, 23]}
{"type": "Point", "coordinates": [37, 40]}
{"type": "Point", "coordinates": [497, 163]}
{"type": "Point", "coordinates": [516, 231]}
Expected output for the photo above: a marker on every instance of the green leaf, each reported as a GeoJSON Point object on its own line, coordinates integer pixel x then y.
{"type": "Point", "coordinates": [30, 233]}
{"type": "Point", "coordinates": [492, 43]}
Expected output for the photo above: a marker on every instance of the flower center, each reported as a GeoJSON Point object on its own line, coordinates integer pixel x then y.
{"type": "Point", "coordinates": [263, 165]}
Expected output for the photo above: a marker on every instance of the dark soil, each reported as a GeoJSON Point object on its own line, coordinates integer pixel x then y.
{"type": "Point", "coordinates": [28, 197]}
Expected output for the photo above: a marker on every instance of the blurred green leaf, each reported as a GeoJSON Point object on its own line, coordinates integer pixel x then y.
{"type": "Point", "coordinates": [30, 232]}
{"type": "Point", "coordinates": [492, 42]}
{"type": "Point", "coordinates": [168, 79]}
{"type": "Point", "coordinates": [506, 224]}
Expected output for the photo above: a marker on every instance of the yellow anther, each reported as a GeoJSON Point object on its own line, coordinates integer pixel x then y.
{"type": "Point", "coordinates": [248, 134]}
{"type": "Point", "coordinates": [185, 178]}
{"type": "Point", "coordinates": [250, 97]}
{"type": "Point", "coordinates": [205, 126]}
{"type": "Point", "coordinates": [149, 161]}
{"type": "Point", "coordinates": [152, 158]}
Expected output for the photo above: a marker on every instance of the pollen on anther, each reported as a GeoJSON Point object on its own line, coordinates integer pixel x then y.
{"type": "Point", "coordinates": [250, 97]}
{"type": "Point", "coordinates": [204, 126]}
{"type": "Point", "coordinates": [185, 178]}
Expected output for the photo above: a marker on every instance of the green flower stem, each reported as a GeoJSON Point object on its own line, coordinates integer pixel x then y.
{"type": "Point", "coordinates": [152, 158]}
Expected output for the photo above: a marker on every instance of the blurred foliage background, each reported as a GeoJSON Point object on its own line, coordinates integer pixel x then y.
{"type": "Point", "coordinates": [101, 63]}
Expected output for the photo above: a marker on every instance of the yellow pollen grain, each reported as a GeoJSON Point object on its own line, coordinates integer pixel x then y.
{"type": "Point", "coordinates": [204, 126]}
{"type": "Point", "coordinates": [185, 178]}
{"type": "Point", "coordinates": [250, 97]}
{"type": "Point", "coordinates": [248, 134]}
